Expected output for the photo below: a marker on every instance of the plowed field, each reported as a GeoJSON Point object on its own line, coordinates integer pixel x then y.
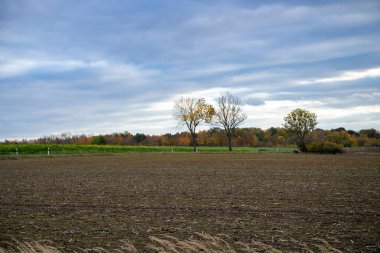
{"type": "Point", "coordinates": [89, 201]}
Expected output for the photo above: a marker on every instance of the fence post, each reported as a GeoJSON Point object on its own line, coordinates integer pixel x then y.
{"type": "Point", "coordinates": [16, 151]}
{"type": "Point", "coordinates": [48, 151]}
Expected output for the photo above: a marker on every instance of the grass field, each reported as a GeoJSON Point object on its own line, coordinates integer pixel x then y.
{"type": "Point", "coordinates": [27, 149]}
{"type": "Point", "coordinates": [290, 202]}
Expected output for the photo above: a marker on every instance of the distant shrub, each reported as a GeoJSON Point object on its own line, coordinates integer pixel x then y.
{"type": "Point", "coordinates": [98, 140]}
{"type": "Point", "coordinates": [331, 148]}
{"type": "Point", "coordinates": [315, 147]}
{"type": "Point", "coordinates": [324, 148]}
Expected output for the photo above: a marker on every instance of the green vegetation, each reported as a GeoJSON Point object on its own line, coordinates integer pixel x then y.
{"type": "Point", "coordinates": [324, 148]}
{"type": "Point", "coordinates": [27, 149]}
{"type": "Point", "coordinates": [98, 140]}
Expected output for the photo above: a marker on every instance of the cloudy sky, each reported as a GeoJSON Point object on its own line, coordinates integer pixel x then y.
{"type": "Point", "coordinates": [117, 65]}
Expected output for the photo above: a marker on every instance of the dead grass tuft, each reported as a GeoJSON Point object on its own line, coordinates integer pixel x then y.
{"type": "Point", "coordinates": [200, 242]}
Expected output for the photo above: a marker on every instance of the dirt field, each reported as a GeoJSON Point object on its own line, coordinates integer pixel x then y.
{"type": "Point", "coordinates": [98, 200]}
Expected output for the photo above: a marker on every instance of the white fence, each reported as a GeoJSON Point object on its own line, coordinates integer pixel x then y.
{"type": "Point", "coordinates": [362, 150]}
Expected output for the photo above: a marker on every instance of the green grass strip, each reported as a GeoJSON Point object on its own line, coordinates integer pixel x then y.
{"type": "Point", "coordinates": [27, 149]}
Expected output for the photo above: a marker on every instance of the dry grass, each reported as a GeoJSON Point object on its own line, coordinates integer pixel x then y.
{"type": "Point", "coordinates": [199, 242]}
{"type": "Point", "coordinates": [29, 247]}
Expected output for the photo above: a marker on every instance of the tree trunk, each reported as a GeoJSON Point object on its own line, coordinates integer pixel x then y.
{"type": "Point", "coordinates": [229, 138]}
{"type": "Point", "coordinates": [194, 137]}
{"type": "Point", "coordinates": [301, 144]}
{"type": "Point", "coordinates": [302, 147]}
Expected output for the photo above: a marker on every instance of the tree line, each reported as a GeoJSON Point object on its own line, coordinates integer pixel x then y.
{"type": "Point", "coordinates": [243, 137]}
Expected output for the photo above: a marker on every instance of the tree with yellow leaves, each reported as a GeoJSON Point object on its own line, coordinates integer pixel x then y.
{"type": "Point", "coordinates": [191, 112]}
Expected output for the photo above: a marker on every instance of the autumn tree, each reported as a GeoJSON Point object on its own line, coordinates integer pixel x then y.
{"type": "Point", "coordinates": [245, 137]}
{"type": "Point", "coordinates": [191, 112]}
{"type": "Point", "coordinates": [299, 123]}
{"type": "Point", "coordinates": [229, 115]}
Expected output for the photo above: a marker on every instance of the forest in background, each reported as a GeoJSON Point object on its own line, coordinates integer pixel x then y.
{"type": "Point", "coordinates": [243, 137]}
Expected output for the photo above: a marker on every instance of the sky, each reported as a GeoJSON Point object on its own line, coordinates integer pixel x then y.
{"type": "Point", "coordinates": [97, 67]}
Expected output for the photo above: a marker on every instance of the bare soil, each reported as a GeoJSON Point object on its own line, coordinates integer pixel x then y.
{"type": "Point", "coordinates": [89, 201]}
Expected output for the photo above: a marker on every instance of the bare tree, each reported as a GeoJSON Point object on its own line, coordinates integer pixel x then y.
{"type": "Point", "coordinates": [229, 115]}
{"type": "Point", "coordinates": [191, 112]}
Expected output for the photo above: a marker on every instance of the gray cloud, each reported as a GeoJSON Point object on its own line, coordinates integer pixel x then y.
{"type": "Point", "coordinates": [95, 67]}
{"type": "Point", "coordinates": [254, 101]}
